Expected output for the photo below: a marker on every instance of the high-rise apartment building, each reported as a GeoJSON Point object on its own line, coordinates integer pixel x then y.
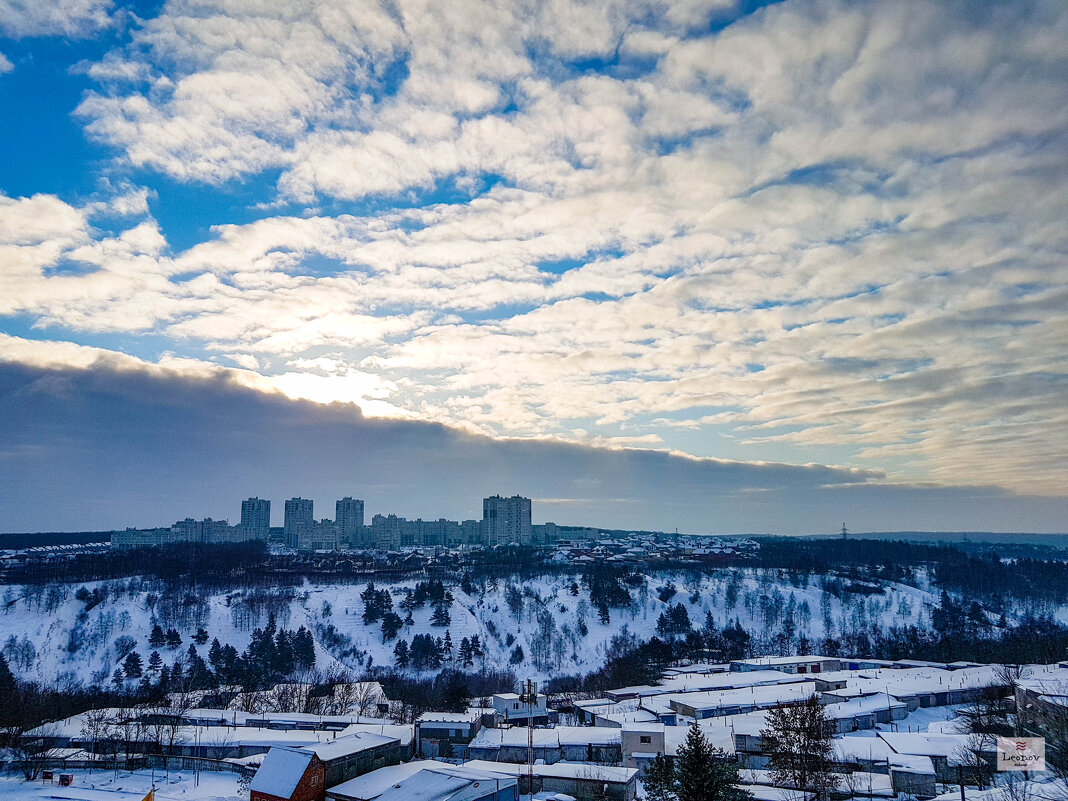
{"type": "Point", "coordinates": [349, 520]}
{"type": "Point", "coordinates": [387, 532]}
{"type": "Point", "coordinates": [299, 520]}
{"type": "Point", "coordinates": [256, 517]}
{"type": "Point", "coordinates": [506, 520]}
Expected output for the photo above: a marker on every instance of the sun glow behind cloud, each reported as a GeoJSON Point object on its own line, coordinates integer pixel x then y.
{"type": "Point", "coordinates": [823, 231]}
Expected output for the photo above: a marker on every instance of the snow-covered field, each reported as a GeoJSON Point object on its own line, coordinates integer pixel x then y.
{"type": "Point", "coordinates": [123, 786]}
{"type": "Point", "coordinates": [37, 624]}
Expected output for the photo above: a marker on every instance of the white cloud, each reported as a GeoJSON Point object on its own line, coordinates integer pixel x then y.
{"type": "Point", "coordinates": [829, 230]}
{"type": "Point", "coordinates": [77, 18]}
{"type": "Point", "coordinates": [5, 64]}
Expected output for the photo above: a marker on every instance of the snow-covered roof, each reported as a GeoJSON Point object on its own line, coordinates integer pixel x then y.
{"type": "Point", "coordinates": [349, 744]}
{"type": "Point", "coordinates": [645, 727]}
{"type": "Point", "coordinates": [951, 746]}
{"type": "Point", "coordinates": [421, 780]}
{"type": "Point", "coordinates": [373, 784]}
{"type": "Point", "coordinates": [627, 719]}
{"type": "Point", "coordinates": [867, 749]}
{"type": "Point", "coordinates": [717, 736]}
{"type": "Point", "coordinates": [914, 681]}
{"type": "Point", "coordinates": [699, 682]}
{"type": "Point", "coordinates": [1052, 682]}
{"type": "Point", "coordinates": [749, 723]}
{"type": "Point", "coordinates": [403, 732]}
{"type": "Point", "coordinates": [747, 696]}
{"type": "Point", "coordinates": [561, 735]}
{"type": "Point", "coordinates": [911, 763]}
{"type": "Point", "coordinates": [786, 660]}
{"type": "Point", "coordinates": [698, 667]}
{"type": "Point", "coordinates": [560, 770]}
{"type": "Point", "coordinates": [449, 717]}
{"type": "Point", "coordinates": [764, 792]}
{"type": "Point", "coordinates": [281, 771]}
{"type": "Point", "coordinates": [865, 704]}
{"type": "Point", "coordinates": [875, 784]}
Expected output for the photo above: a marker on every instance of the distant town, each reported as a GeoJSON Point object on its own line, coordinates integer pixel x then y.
{"type": "Point", "coordinates": [505, 521]}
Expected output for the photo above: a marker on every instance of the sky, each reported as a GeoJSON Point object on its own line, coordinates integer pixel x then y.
{"type": "Point", "coordinates": [722, 266]}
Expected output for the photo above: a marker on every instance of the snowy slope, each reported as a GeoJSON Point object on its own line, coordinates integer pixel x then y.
{"type": "Point", "coordinates": [38, 625]}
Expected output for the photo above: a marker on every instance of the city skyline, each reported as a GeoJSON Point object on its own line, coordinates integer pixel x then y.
{"type": "Point", "coordinates": [721, 266]}
{"type": "Point", "coordinates": [505, 520]}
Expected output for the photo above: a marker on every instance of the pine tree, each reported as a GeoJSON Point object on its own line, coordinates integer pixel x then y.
{"type": "Point", "coordinates": [215, 655]}
{"type": "Point", "coordinates": [177, 675]}
{"type": "Point", "coordinates": [710, 623]}
{"type": "Point", "coordinates": [693, 766]}
{"type": "Point", "coordinates": [704, 773]}
{"type": "Point", "coordinates": [447, 646]}
{"type": "Point", "coordinates": [454, 693]}
{"type": "Point", "coordinates": [400, 654]}
{"type": "Point", "coordinates": [441, 615]}
{"type": "Point", "coordinates": [603, 614]}
{"type": "Point", "coordinates": [156, 638]}
{"type": "Point", "coordinates": [304, 648]}
{"type": "Point", "coordinates": [517, 655]}
{"type": "Point", "coordinates": [465, 653]}
{"type": "Point", "coordinates": [155, 662]}
{"type": "Point", "coordinates": [200, 637]}
{"type": "Point", "coordinates": [118, 679]}
{"type": "Point", "coordinates": [659, 780]}
{"type": "Point", "coordinates": [174, 639]}
{"type": "Point", "coordinates": [391, 624]}
{"type": "Point", "coordinates": [132, 665]}
{"type": "Point", "coordinates": [8, 692]}
{"type": "Point", "coordinates": [285, 658]}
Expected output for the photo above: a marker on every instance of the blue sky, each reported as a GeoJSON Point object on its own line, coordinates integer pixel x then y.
{"type": "Point", "coordinates": [807, 233]}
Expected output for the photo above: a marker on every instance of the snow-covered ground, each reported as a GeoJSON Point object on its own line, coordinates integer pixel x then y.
{"type": "Point", "coordinates": [123, 786]}
{"type": "Point", "coordinates": [548, 625]}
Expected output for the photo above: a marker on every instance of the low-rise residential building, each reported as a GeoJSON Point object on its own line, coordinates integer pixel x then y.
{"type": "Point", "coordinates": [426, 780]}
{"type": "Point", "coordinates": [787, 664]}
{"type": "Point", "coordinates": [580, 780]}
{"type": "Point", "coordinates": [508, 708]}
{"type": "Point", "coordinates": [446, 734]}
{"type": "Point", "coordinates": [597, 744]}
{"type": "Point", "coordinates": [288, 774]}
{"type": "Point", "coordinates": [732, 702]}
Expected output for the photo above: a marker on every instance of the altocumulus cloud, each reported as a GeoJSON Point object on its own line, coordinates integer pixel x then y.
{"type": "Point", "coordinates": [821, 232]}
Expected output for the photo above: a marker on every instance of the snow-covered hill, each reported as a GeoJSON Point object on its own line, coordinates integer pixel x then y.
{"type": "Point", "coordinates": [51, 636]}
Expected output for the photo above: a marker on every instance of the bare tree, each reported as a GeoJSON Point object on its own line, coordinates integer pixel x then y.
{"type": "Point", "coordinates": [1017, 787]}
{"type": "Point", "coordinates": [34, 754]}
{"type": "Point", "coordinates": [220, 740]}
{"type": "Point", "coordinates": [365, 697]}
{"type": "Point", "coordinates": [96, 728]}
{"type": "Point", "coordinates": [799, 744]}
{"type": "Point", "coordinates": [851, 782]}
{"type": "Point", "coordinates": [133, 732]}
{"type": "Point", "coordinates": [970, 758]}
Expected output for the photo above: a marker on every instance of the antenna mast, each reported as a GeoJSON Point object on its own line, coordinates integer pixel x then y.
{"type": "Point", "coordinates": [529, 696]}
